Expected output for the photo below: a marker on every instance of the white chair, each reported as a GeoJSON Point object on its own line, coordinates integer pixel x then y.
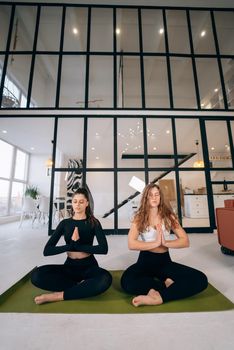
{"type": "Point", "coordinates": [29, 209]}
{"type": "Point", "coordinates": [59, 206]}
{"type": "Point", "coordinates": [44, 206]}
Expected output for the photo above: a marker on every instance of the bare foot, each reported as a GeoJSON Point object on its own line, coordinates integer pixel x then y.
{"type": "Point", "coordinates": [152, 298]}
{"type": "Point", "coordinates": [168, 282]}
{"type": "Point", "coordinates": [48, 298]}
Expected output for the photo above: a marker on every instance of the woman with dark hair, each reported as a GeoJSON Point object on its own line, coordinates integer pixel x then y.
{"type": "Point", "coordinates": [80, 276]}
{"type": "Point", "coordinates": [155, 278]}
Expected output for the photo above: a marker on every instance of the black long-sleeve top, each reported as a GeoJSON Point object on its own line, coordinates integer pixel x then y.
{"type": "Point", "coordinates": [87, 232]}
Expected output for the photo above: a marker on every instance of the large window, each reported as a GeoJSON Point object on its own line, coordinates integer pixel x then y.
{"type": "Point", "coordinates": [13, 177]}
{"type": "Point", "coordinates": [58, 56]}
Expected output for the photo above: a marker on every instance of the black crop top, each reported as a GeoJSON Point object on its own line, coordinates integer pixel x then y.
{"type": "Point", "coordinates": [87, 232]}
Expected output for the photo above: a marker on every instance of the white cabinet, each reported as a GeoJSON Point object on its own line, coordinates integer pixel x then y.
{"type": "Point", "coordinates": [196, 206]}
{"type": "Point", "coordinates": [220, 198]}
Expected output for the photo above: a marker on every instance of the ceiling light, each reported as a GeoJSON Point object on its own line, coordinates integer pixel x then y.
{"type": "Point", "coordinates": [93, 148]}
{"type": "Point", "coordinates": [97, 158]}
{"type": "Point", "coordinates": [212, 148]}
{"type": "Point", "coordinates": [154, 148]}
{"type": "Point", "coordinates": [161, 31]}
{"type": "Point", "coordinates": [75, 31]}
{"type": "Point", "coordinates": [216, 90]}
{"type": "Point", "coordinates": [199, 162]}
{"type": "Point", "coordinates": [202, 104]}
{"type": "Point", "coordinates": [32, 148]}
{"type": "Point", "coordinates": [137, 184]}
{"type": "Point", "coordinates": [4, 131]}
{"type": "Point", "coordinates": [117, 31]}
{"type": "Point", "coordinates": [203, 33]}
{"type": "Point", "coordinates": [167, 131]}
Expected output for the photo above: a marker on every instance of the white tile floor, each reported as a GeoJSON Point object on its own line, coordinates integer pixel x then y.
{"type": "Point", "coordinates": [21, 250]}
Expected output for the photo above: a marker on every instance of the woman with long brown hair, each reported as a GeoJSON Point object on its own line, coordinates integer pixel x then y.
{"type": "Point", "coordinates": [80, 276]}
{"type": "Point", "coordinates": [155, 278]}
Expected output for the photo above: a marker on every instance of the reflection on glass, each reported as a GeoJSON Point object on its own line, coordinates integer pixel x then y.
{"type": "Point", "coordinates": [21, 165]}
{"type": "Point", "coordinates": [49, 28]}
{"type": "Point", "coordinates": [6, 154]}
{"type": "Point", "coordinates": [218, 147]}
{"type": "Point", "coordinates": [101, 186]}
{"type": "Point", "coordinates": [75, 32]}
{"type": "Point", "coordinates": [183, 83]}
{"type": "Point", "coordinates": [101, 82]}
{"type": "Point", "coordinates": [4, 190]}
{"type": "Point", "coordinates": [5, 12]}
{"type": "Point", "coordinates": [225, 31]}
{"type": "Point", "coordinates": [209, 83]}
{"type": "Point", "coordinates": [194, 199]}
{"type": "Point", "coordinates": [127, 30]}
{"type": "Point", "coordinates": [156, 82]}
{"type": "Point", "coordinates": [16, 81]}
{"type": "Point", "coordinates": [202, 32]}
{"type": "Point", "coordinates": [177, 28]}
{"type": "Point", "coordinates": [72, 88]}
{"type": "Point", "coordinates": [232, 128]}
{"type": "Point", "coordinates": [160, 143]}
{"type": "Point", "coordinates": [23, 28]}
{"type": "Point", "coordinates": [189, 152]}
{"type": "Point", "coordinates": [130, 143]}
{"type": "Point", "coordinates": [45, 80]}
{"type": "Point", "coordinates": [228, 73]}
{"type": "Point", "coordinates": [128, 82]}
{"type": "Point", "coordinates": [69, 145]}
{"type": "Point", "coordinates": [152, 30]}
{"type": "Point", "coordinates": [100, 143]}
{"type": "Point", "coordinates": [128, 206]}
{"type": "Point", "coordinates": [223, 176]}
{"type": "Point", "coordinates": [16, 197]}
{"type": "Point", "coordinates": [101, 29]}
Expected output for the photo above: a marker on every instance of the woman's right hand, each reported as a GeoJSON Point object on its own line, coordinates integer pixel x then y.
{"type": "Point", "coordinates": [75, 235]}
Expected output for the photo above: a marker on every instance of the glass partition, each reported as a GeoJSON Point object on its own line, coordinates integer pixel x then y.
{"type": "Point", "coordinates": [194, 201]}
{"type": "Point", "coordinates": [44, 81]}
{"type": "Point", "coordinates": [101, 82]}
{"type": "Point", "coordinates": [127, 30]}
{"type": "Point", "coordinates": [224, 22]}
{"type": "Point", "coordinates": [75, 31]}
{"type": "Point", "coordinates": [101, 27]}
{"type": "Point", "coordinates": [218, 147]}
{"type": "Point", "coordinates": [69, 147]}
{"type": "Point", "coordinates": [202, 32]}
{"type": "Point", "coordinates": [72, 88]}
{"type": "Point", "coordinates": [23, 28]}
{"type": "Point", "coordinates": [211, 96]}
{"type": "Point", "coordinates": [128, 206]}
{"type": "Point", "coordinates": [5, 13]}
{"type": "Point", "coordinates": [177, 29]}
{"type": "Point", "coordinates": [160, 143]}
{"type": "Point", "coordinates": [101, 186]}
{"type": "Point", "coordinates": [183, 83]}
{"type": "Point", "coordinates": [49, 28]}
{"type": "Point", "coordinates": [128, 82]}
{"type": "Point", "coordinates": [228, 73]}
{"type": "Point", "coordinates": [152, 30]}
{"type": "Point", "coordinates": [100, 143]}
{"type": "Point", "coordinates": [156, 82]}
{"type": "Point", "coordinates": [189, 145]}
{"type": "Point", "coordinates": [130, 143]}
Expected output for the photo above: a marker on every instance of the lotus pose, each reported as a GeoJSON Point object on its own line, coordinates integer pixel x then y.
{"type": "Point", "coordinates": [155, 278]}
{"type": "Point", "coordinates": [80, 276]}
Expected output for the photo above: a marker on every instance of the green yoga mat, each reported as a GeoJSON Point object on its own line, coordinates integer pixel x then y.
{"type": "Point", "coordinates": [19, 298]}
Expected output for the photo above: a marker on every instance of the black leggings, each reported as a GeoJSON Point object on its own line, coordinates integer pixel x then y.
{"type": "Point", "coordinates": [152, 269]}
{"type": "Point", "coordinates": [78, 278]}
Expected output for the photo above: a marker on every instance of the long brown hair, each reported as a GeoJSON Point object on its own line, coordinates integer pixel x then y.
{"type": "Point", "coordinates": [88, 211]}
{"type": "Point", "coordinates": [165, 212]}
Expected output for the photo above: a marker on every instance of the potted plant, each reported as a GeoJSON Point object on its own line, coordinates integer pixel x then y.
{"type": "Point", "coordinates": [32, 191]}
